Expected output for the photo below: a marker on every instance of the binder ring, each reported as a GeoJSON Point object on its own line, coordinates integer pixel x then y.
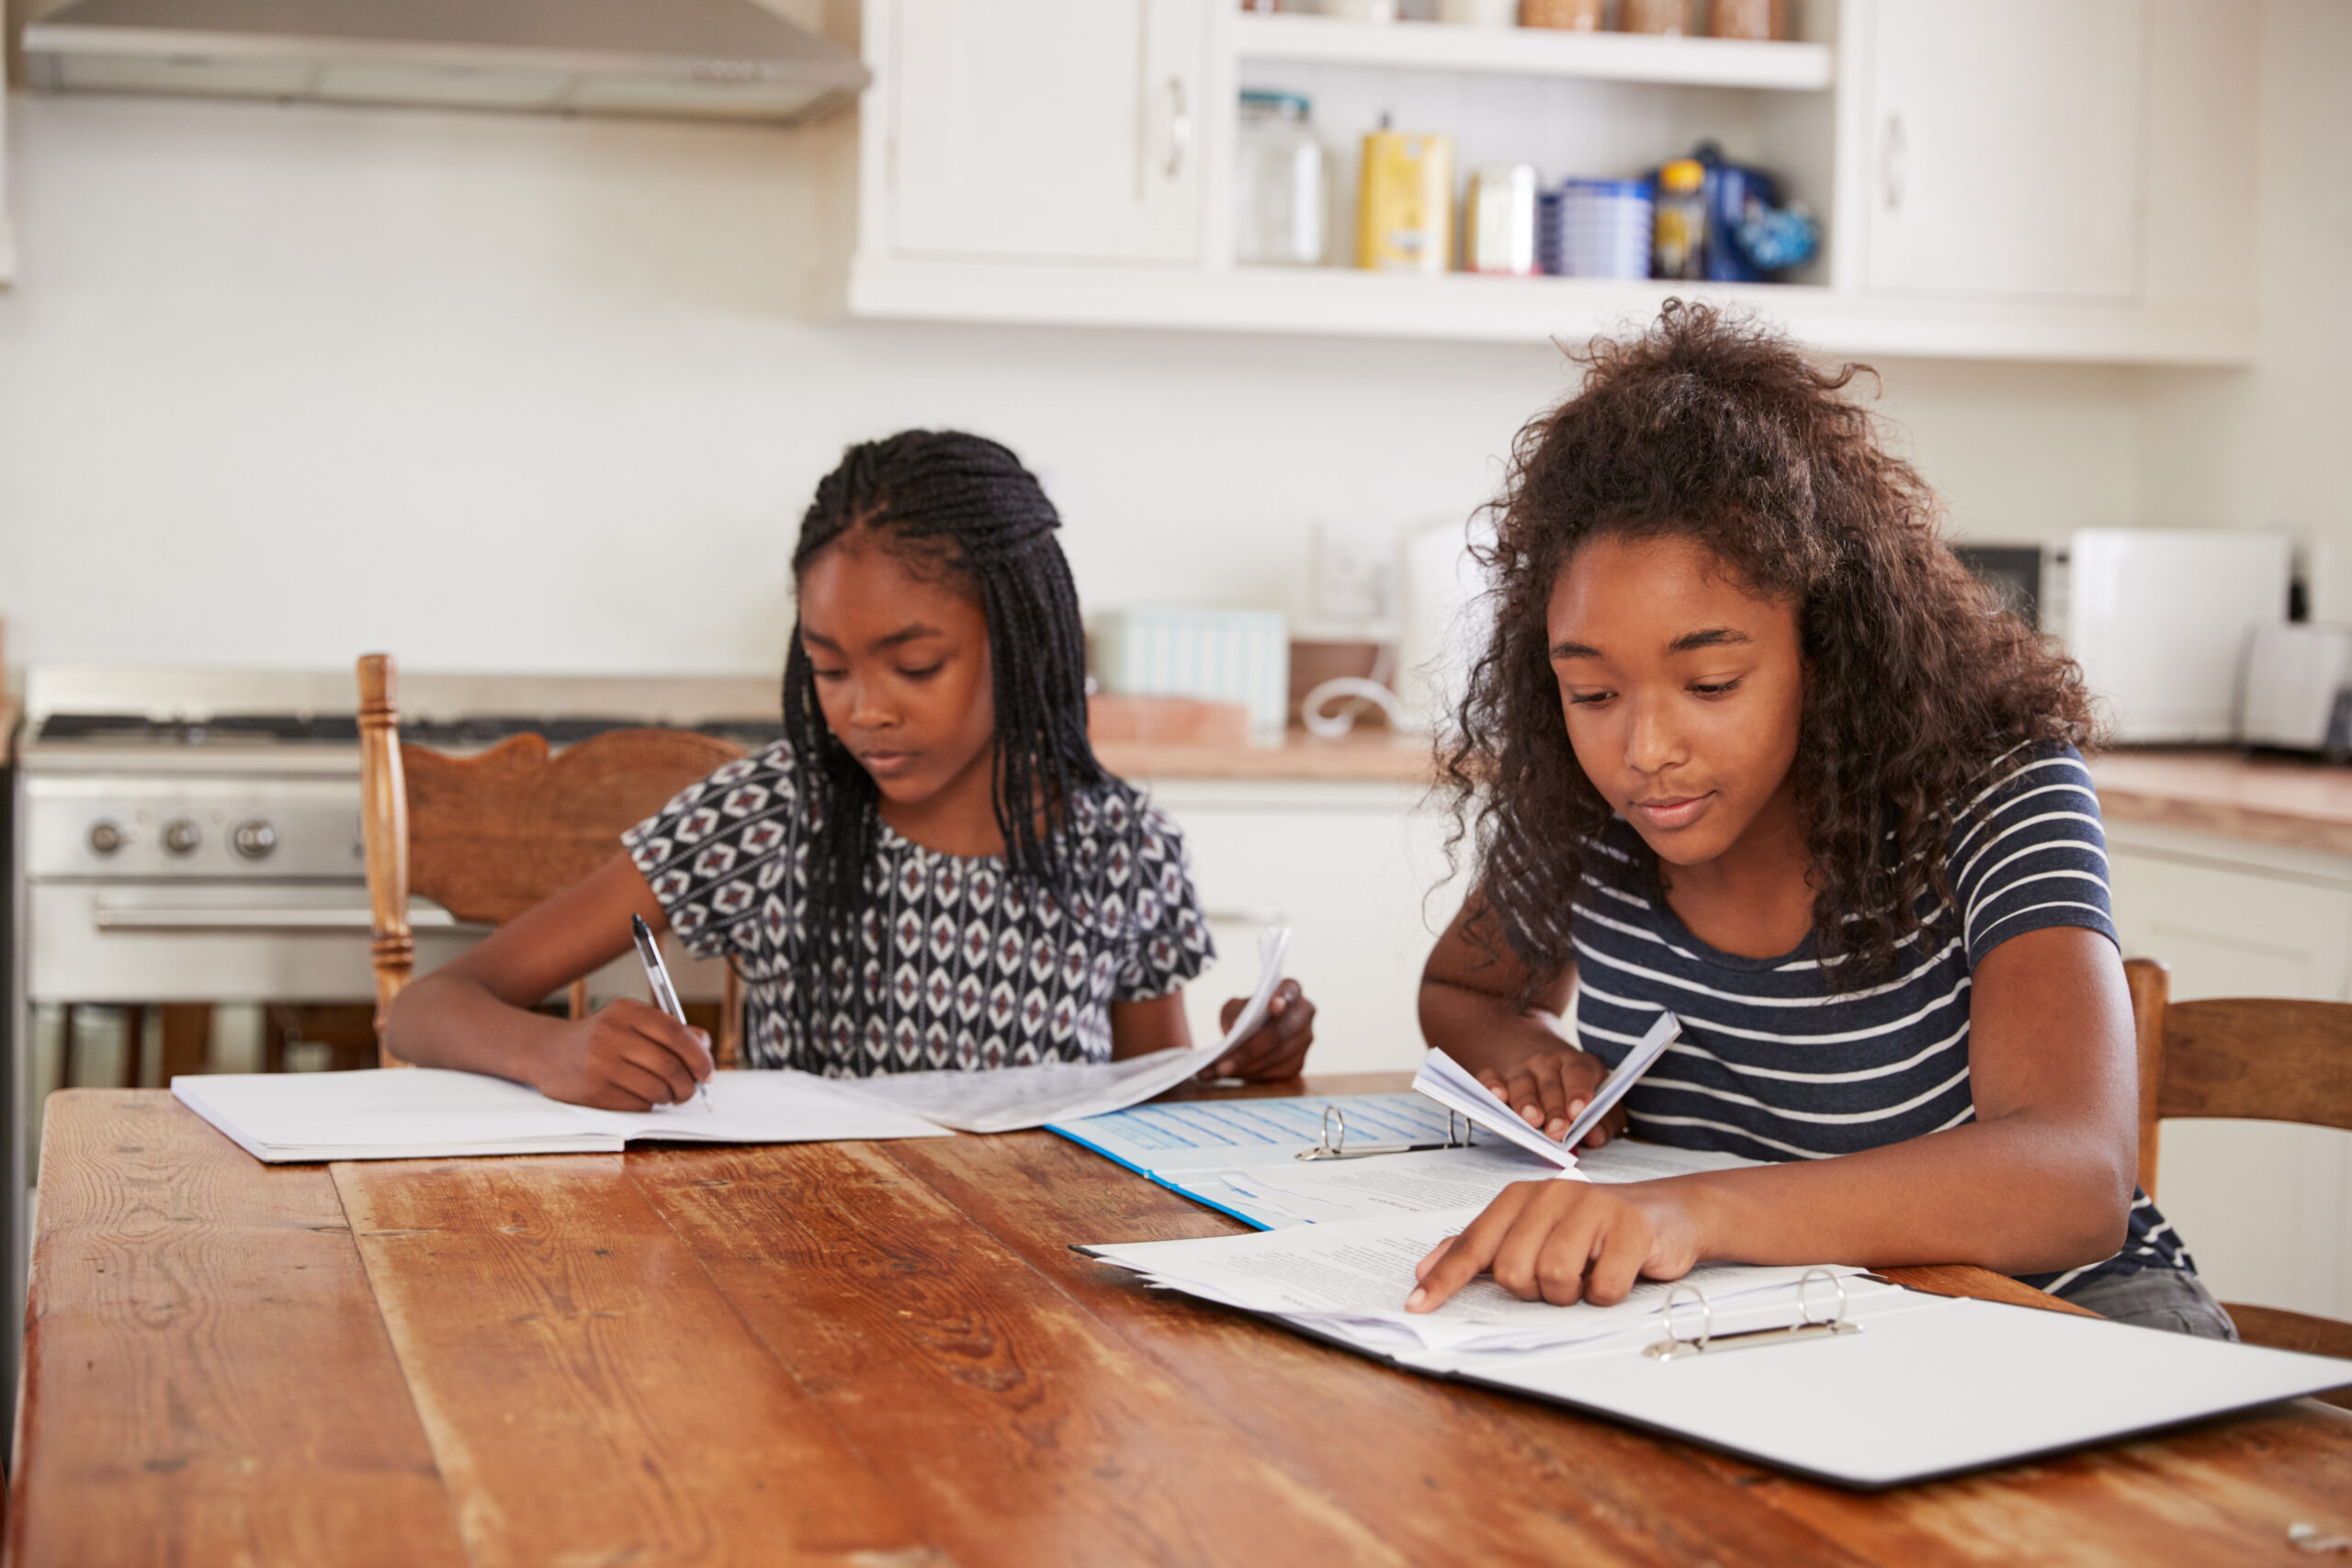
{"type": "Point", "coordinates": [1706, 1318]}
{"type": "Point", "coordinates": [1329, 1148]}
{"type": "Point", "coordinates": [1804, 1313]}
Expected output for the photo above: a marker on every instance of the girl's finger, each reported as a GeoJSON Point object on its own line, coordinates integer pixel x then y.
{"type": "Point", "coordinates": [1470, 1252]}
{"type": "Point", "coordinates": [1562, 1274]}
{"type": "Point", "coordinates": [1516, 1265]}
{"type": "Point", "coordinates": [1286, 1066]}
{"type": "Point", "coordinates": [1555, 1104]}
{"type": "Point", "coordinates": [1623, 1252]}
{"type": "Point", "coordinates": [1421, 1270]}
{"type": "Point", "coordinates": [1525, 1098]}
{"type": "Point", "coordinates": [638, 1084]}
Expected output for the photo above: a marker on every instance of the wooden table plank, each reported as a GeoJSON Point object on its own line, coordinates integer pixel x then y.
{"type": "Point", "coordinates": [204, 1372]}
{"type": "Point", "coordinates": [1018, 1429]}
{"type": "Point", "coordinates": [590, 1396]}
{"type": "Point", "coordinates": [1448, 1473]}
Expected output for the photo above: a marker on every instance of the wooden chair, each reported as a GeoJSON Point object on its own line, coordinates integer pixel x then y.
{"type": "Point", "coordinates": [489, 836]}
{"type": "Point", "coordinates": [2265, 1058]}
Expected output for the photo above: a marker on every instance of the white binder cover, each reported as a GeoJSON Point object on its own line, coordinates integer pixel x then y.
{"type": "Point", "coordinates": [1930, 1387]}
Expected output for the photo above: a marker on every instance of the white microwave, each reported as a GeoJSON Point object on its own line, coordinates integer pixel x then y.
{"type": "Point", "coordinates": [2160, 619]}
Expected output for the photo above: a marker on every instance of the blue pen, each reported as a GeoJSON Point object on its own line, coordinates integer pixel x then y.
{"type": "Point", "coordinates": [657, 980]}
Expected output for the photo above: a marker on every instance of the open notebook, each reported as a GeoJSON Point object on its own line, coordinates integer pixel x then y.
{"type": "Point", "coordinates": [425, 1112]}
{"type": "Point", "coordinates": [1836, 1376]}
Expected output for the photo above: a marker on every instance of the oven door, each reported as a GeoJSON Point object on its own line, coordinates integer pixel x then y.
{"type": "Point", "coordinates": [189, 941]}
{"type": "Point", "coordinates": [243, 941]}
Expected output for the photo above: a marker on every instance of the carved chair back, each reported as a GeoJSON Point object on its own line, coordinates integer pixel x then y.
{"type": "Point", "coordinates": [486, 836]}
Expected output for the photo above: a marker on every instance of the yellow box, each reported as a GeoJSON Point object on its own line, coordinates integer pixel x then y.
{"type": "Point", "coordinates": [1405, 210]}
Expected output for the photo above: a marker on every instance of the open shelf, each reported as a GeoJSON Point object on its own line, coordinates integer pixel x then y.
{"type": "Point", "coordinates": [1535, 51]}
{"type": "Point", "coordinates": [1339, 301]}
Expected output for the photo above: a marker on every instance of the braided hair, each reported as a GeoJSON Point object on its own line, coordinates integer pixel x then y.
{"type": "Point", "coordinates": [962, 506]}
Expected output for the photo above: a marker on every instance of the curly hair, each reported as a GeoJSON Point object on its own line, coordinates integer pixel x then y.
{"type": "Point", "coordinates": [1713, 428]}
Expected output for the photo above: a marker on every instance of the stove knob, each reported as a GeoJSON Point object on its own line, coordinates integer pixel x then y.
{"type": "Point", "coordinates": [181, 835]}
{"type": "Point", "coordinates": [106, 836]}
{"type": "Point", "coordinates": [253, 838]}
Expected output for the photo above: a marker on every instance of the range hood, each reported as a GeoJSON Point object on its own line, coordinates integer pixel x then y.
{"type": "Point", "coordinates": [696, 59]}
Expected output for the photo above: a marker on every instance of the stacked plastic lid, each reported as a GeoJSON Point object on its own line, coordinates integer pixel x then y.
{"type": "Point", "coordinates": [1595, 229]}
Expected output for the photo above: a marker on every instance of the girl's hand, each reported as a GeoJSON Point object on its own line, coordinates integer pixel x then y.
{"type": "Point", "coordinates": [1566, 1241]}
{"type": "Point", "coordinates": [1279, 1047]}
{"type": "Point", "coordinates": [1551, 1089]}
{"type": "Point", "coordinates": [628, 1055]}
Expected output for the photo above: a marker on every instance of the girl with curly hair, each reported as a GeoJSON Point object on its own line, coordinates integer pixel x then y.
{"type": "Point", "coordinates": [1750, 745]}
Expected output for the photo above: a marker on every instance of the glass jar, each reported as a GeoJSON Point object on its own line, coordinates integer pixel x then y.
{"type": "Point", "coordinates": [1655, 16]}
{"type": "Point", "coordinates": [1281, 189]}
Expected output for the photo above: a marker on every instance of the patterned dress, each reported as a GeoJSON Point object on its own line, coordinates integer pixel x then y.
{"type": "Point", "coordinates": [958, 962]}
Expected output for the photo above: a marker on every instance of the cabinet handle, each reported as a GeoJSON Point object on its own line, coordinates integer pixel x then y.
{"type": "Point", "coordinates": [1891, 163]}
{"type": "Point", "coordinates": [1179, 127]}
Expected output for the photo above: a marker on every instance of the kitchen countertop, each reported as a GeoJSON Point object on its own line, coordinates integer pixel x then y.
{"type": "Point", "coordinates": [2304, 806]}
{"type": "Point", "coordinates": [2269, 800]}
{"type": "Point", "coordinates": [1374, 756]}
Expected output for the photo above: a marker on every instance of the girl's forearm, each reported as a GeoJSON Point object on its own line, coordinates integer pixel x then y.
{"type": "Point", "coordinates": [453, 1020]}
{"type": "Point", "coordinates": [1483, 1031]}
{"type": "Point", "coordinates": [2021, 1194]}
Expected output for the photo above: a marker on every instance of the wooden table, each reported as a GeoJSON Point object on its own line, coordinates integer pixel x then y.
{"type": "Point", "coordinates": [876, 1354]}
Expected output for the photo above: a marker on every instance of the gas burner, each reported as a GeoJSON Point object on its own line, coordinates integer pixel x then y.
{"type": "Point", "coordinates": [750, 734]}
{"type": "Point", "coordinates": [224, 729]}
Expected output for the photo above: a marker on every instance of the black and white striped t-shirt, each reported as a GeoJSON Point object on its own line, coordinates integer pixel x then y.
{"type": "Point", "coordinates": [1773, 1063]}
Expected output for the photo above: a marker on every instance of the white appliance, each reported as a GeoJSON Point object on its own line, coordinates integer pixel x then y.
{"type": "Point", "coordinates": [1447, 617]}
{"type": "Point", "coordinates": [1220, 656]}
{"type": "Point", "coordinates": [2298, 689]}
{"type": "Point", "coordinates": [2160, 619]}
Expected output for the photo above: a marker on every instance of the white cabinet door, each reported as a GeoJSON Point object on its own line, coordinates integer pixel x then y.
{"type": "Point", "coordinates": [1048, 129]}
{"type": "Point", "coordinates": [2227, 932]}
{"type": "Point", "coordinates": [2265, 1207]}
{"type": "Point", "coordinates": [1351, 868]}
{"type": "Point", "coordinates": [2007, 147]}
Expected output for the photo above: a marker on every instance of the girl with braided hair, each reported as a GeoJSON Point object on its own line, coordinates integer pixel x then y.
{"type": "Point", "coordinates": [1749, 746]}
{"type": "Point", "coordinates": [929, 870]}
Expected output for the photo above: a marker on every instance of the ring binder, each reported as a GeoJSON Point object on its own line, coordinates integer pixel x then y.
{"type": "Point", "coordinates": [1330, 1147]}
{"type": "Point", "coordinates": [1674, 1346]}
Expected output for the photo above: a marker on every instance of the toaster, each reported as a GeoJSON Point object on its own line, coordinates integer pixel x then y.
{"type": "Point", "coordinates": [2298, 689]}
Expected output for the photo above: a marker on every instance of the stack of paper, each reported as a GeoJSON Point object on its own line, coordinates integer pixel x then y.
{"type": "Point", "coordinates": [1008, 1100]}
{"type": "Point", "coordinates": [427, 1113]}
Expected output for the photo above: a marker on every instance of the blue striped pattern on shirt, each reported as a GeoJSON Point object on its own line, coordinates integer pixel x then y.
{"type": "Point", "coordinates": [1776, 1064]}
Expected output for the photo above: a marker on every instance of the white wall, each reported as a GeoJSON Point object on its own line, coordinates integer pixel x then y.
{"type": "Point", "coordinates": [281, 384]}
{"type": "Point", "coordinates": [2262, 447]}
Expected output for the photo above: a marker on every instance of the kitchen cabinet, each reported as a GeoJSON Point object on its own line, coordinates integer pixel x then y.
{"type": "Point", "coordinates": [1064, 129]}
{"type": "Point", "coordinates": [1350, 867]}
{"type": "Point", "coordinates": [2231, 918]}
{"type": "Point", "coordinates": [2265, 1207]}
{"type": "Point", "coordinates": [1994, 179]}
{"type": "Point", "coordinates": [2006, 147]}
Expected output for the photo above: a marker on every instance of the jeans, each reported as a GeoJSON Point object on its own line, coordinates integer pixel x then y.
{"type": "Point", "coordinates": [2170, 1298]}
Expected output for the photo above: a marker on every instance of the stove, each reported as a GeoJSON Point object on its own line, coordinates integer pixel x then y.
{"type": "Point", "coordinates": [192, 836]}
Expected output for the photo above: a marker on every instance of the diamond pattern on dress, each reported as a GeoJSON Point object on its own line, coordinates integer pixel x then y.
{"type": "Point", "coordinates": [953, 962]}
